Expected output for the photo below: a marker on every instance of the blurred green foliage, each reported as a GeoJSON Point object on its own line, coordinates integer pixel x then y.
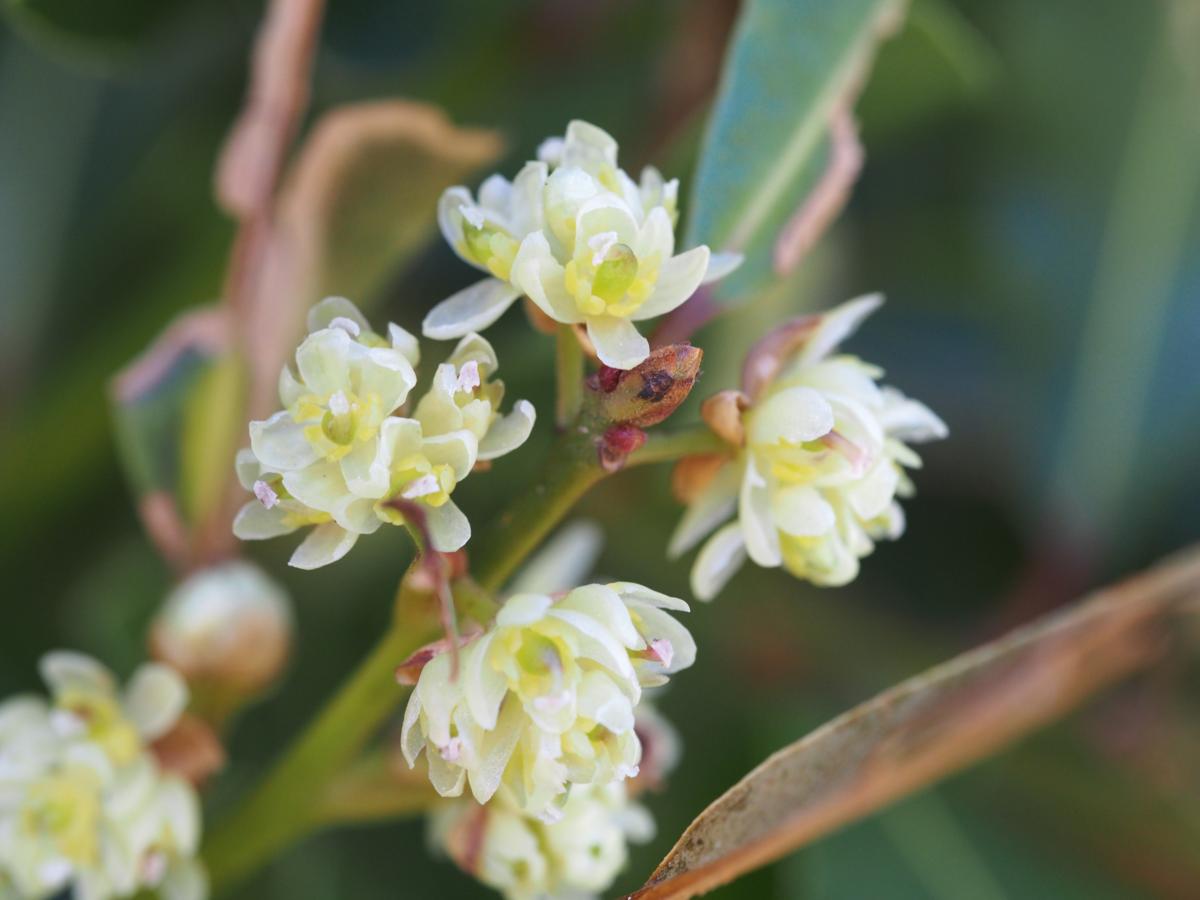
{"type": "Point", "coordinates": [1003, 142]}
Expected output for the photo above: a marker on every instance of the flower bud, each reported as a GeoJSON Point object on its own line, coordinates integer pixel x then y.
{"type": "Point", "coordinates": [227, 628]}
{"type": "Point", "coordinates": [650, 392]}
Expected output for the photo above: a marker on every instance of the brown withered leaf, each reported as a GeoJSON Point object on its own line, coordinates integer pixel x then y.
{"type": "Point", "coordinates": [931, 726]}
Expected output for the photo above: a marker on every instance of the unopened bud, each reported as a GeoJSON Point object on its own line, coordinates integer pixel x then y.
{"type": "Point", "coordinates": [693, 474]}
{"type": "Point", "coordinates": [228, 628]}
{"type": "Point", "coordinates": [191, 750]}
{"type": "Point", "coordinates": [650, 392]}
{"type": "Point", "coordinates": [617, 443]}
{"type": "Point", "coordinates": [722, 413]}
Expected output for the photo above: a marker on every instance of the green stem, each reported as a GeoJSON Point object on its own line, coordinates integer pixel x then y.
{"type": "Point", "coordinates": [568, 369]}
{"type": "Point", "coordinates": [285, 806]}
{"type": "Point", "coordinates": [506, 542]}
{"type": "Point", "coordinates": [292, 800]}
{"type": "Point", "coordinates": [667, 446]}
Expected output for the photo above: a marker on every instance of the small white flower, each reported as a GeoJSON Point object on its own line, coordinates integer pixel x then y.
{"type": "Point", "coordinates": [340, 451]}
{"type": "Point", "coordinates": [581, 239]}
{"type": "Point", "coordinates": [822, 461]}
{"type": "Point", "coordinates": [546, 696]}
{"type": "Point", "coordinates": [579, 855]}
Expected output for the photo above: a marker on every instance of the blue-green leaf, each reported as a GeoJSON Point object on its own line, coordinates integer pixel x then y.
{"type": "Point", "coordinates": [791, 65]}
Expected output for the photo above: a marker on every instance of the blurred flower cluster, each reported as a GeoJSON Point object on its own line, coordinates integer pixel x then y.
{"type": "Point", "coordinates": [84, 804]}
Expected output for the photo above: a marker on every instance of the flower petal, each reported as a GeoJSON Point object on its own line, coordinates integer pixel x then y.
{"type": "Point", "coordinates": [539, 275]}
{"type": "Point", "coordinates": [716, 503]}
{"type": "Point", "coordinates": [325, 544]}
{"type": "Point", "coordinates": [254, 522]}
{"type": "Point", "coordinates": [66, 669]}
{"type": "Point", "coordinates": [458, 449]}
{"type": "Point", "coordinates": [155, 699]}
{"type": "Point", "coordinates": [483, 687]}
{"type": "Point", "coordinates": [522, 609]}
{"type": "Point", "coordinates": [322, 314]}
{"type": "Point", "coordinates": [449, 529]}
{"type": "Point", "coordinates": [717, 561]}
{"type": "Point", "coordinates": [319, 486]}
{"type": "Point", "coordinates": [603, 213]}
{"type": "Point", "coordinates": [754, 514]}
{"type": "Point", "coordinates": [677, 281]}
{"type": "Point", "coordinates": [656, 236]}
{"type": "Point", "coordinates": [365, 469]}
{"type": "Point", "coordinates": [450, 221]}
{"type": "Point", "coordinates": [323, 360]}
{"type": "Point", "coordinates": [617, 342]}
{"type": "Point", "coordinates": [509, 432]}
{"type": "Point", "coordinates": [801, 511]}
{"type": "Point", "coordinates": [280, 444]}
{"type": "Point", "coordinates": [471, 309]}
{"type": "Point", "coordinates": [720, 265]}
{"type": "Point", "coordinates": [793, 415]}
{"type": "Point", "coordinates": [837, 325]}
{"type": "Point", "coordinates": [588, 146]}
{"type": "Point", "coordinates": [387, 374]}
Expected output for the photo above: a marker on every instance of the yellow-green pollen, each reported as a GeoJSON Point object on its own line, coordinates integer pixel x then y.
{"type": "Point", "coordinates": [617, 286]}
{"type": "Point", "coordinates": [491, 247]}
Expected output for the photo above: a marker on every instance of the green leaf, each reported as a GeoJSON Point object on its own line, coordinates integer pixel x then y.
{"type": "Point", "coordinates": [177, 411]}
{"type": "Point", "coordinates": [792, 64]}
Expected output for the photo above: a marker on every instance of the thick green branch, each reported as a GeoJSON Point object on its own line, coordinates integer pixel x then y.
{"type": "Point", "coordinates": [568, 369]}
{"type": "Point", "coordinates": [285, 806]}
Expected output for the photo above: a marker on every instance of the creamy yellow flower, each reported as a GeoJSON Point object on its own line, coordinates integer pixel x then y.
{"type": "Point", "coordinates": [341, 451]}
{"type": "Point", "coordinates": [816, 481]}
{"type": "Point", "coordinates": [581, 239]}
{"type": "Point", "coordinates": [546, 696]}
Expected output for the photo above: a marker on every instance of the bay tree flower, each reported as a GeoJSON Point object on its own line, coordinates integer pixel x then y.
{"type": "Point", "coordinates": [88, 705]}
{"type": "Point", "coordinates": [227, 628]}
{"type": "Point", "coordinates": [545, 697]}
{"type": "Point", "coordinates": [581, 239]}
{"type": "Point", "coordinates": [342, 451]}
{"type": "Point", "coordinates": [523, 858]}
{"type": "Point", "coordinates": [84, 804]}
{"type": "Point", "coordinates": [820, 452]}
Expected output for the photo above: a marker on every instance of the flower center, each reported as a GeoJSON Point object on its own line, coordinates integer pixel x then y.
{"type": "Point", "coordinates": [491, 247]}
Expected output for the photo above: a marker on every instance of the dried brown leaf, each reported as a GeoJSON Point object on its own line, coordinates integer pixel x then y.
{"type": "Point", "coordinates": [929, 727]}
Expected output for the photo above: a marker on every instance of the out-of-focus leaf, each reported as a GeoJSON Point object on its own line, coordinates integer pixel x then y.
{"type": "Point", "coordinates": [930, 726]}
{"type": "Point", "coordinates": [362, 196]}
{"type": "Point", "coordinates": [357, 203]}
{"type": "Point", "coordinates": [175, 410]}
{"type": "Point", "coordinates": [212, 432]}
{"type": "Point", "coordinates": [94, 28]}
{"type": "Point", "coordinates": [938, 62]}
{"type": "Point", "coordinates": [792, 66]}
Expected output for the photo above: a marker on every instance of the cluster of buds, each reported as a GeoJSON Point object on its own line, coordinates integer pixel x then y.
{"type": "Point", "coordinates": [85, 805]}
{"type": "Point", "coordinates": [342, 457]}
{"type": "Point", "coordinates": [582, 240]}
{"type": "Point", "coordinates": [544, 699]}
{"type": "Point", "coordinates": [818, 453]}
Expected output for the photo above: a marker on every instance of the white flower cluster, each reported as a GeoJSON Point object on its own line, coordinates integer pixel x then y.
{"type": "Point", "coordinates": [821, 463]}
{"type": "Point", "coordinates": [340, 451]}
{"type": "Point", "coordinates": [581, 239]}
{"type": "Point", "coordinates": [576, 856]}
{"type": "Point", "coordinates": [545, 698]}
{"type": "Point", "coordinates": [84, 805]}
